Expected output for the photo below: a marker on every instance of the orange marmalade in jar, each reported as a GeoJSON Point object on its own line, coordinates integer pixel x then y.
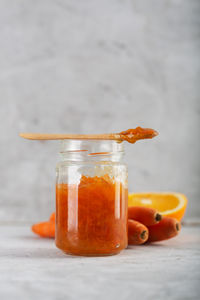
{"type": "Point", "coordinates": [91, 198]}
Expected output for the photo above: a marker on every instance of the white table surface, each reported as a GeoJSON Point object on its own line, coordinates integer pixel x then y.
{"type": "Point", "coordinates": [33, 268]}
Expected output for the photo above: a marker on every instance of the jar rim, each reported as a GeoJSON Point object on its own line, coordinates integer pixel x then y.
{"type": "Point", "coordinates": [92, 147]}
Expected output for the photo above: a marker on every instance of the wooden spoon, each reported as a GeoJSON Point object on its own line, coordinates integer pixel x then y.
{"type": "Point", "coordinates": [130, 135]}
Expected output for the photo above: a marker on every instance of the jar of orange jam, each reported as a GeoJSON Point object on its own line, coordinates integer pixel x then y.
{"type": "Point", "coordinates": [91, 198]}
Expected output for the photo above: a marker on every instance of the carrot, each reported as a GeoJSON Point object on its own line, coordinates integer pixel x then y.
{"type": "Point", "coordinates": [145, 215]}
{"type": "Point", "coordinates": [165, 229]}
{"type": "Point", "coordinates": [137, 233]}
{"type": "Point", "coordinates": [52, 217]}
{"type": "Point", "coordinates": [44, 229]}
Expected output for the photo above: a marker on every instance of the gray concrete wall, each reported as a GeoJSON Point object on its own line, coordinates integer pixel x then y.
{"type": "Point", "coordinates": [98, 66]}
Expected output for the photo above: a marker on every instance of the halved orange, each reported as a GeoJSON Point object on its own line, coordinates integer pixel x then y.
{"type": "Point", "coordinates": [168, 204]}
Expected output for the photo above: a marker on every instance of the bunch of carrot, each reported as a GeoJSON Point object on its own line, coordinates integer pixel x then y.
{"type": "Point", "coordinates": [144, 225]}
{"type": "Point", "coordinates": [147, 225]}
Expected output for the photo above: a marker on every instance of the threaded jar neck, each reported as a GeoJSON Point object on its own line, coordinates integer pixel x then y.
{"type": "Point", "coordinates": [91, 150]}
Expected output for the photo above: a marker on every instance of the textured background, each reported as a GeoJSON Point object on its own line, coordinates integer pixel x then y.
{"type": "Point", "coordinates": [98, 66]}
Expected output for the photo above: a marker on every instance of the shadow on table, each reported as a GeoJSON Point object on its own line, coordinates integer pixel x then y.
{"type": "Point", "coordinates": [34, 248]}
{"type": "Point", "coordinates": [143, 246]}
{"type": "Point", "coordinates": [37, 253]}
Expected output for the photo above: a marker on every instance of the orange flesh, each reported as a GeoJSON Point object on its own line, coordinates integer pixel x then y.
{"type": "Point", "coordinates": [91, 217]}
{"type": "Point", "coordinates": [133, 135]}
{"type": "Point", "coordinates": [168, 204]}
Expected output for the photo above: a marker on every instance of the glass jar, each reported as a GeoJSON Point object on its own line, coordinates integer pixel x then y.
{"type": "Point", "coordinates": [91, 198]}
